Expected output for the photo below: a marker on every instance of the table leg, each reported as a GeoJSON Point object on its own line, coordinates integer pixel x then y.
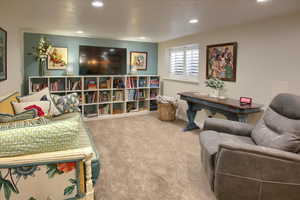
{"type": "Point", "coordinates": [242, 118]}
{"type": "Point", "coordinates": [191, 114]}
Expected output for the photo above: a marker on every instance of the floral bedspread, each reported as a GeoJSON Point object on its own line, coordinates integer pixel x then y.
{"type": "Point", "coordinates": [54, 181]}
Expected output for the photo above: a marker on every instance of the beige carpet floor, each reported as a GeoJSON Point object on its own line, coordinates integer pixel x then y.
{"type": "Point", "coordinates": [144, 158]}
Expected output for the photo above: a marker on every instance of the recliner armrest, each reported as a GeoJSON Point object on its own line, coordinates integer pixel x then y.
{"type": "Point", "coordinates": [256, 172]}
{"type": "Point", "coordinates": [260, 151]}
{"type": "Point", "coordinates": [227, 126]}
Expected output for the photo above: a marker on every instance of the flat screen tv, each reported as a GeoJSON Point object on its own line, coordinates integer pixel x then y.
{"type": "Point", "coordinates": [102, 60]}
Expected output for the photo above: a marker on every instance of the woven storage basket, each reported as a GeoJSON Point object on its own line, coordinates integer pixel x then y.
{"type": "Point", "coordinates": [167, 111]}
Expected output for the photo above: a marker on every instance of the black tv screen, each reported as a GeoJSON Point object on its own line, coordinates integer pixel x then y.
{"type": "Point", "coordinates": [102, 60]}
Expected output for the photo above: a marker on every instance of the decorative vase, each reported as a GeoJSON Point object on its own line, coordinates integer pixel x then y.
{"type": "Point", "coordinates": [215, 93]}
{"type": "Point", "coordinates": [42, 68]}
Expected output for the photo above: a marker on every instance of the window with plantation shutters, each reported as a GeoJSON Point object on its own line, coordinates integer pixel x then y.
{"type": "Point", "coordinates": [184, 61]}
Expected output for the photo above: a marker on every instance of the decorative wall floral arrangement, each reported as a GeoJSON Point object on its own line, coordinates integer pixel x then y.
{"type": "Point", "coordinates": [45, 53]}
{"type": "Point", "coordinates": [41, 53]}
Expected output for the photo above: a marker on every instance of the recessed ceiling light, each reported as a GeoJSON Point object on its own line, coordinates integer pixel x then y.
{"type": "Point", "coordinates": [193, 21]}
{"type": "Point", "coordinates": [79, 32]}
{"type": "Point", "coordinates": [97, 3]}
{"type": "Point", "coordinates": [261, 1]}
{"type": "Point", "coordinates": [142, 38]}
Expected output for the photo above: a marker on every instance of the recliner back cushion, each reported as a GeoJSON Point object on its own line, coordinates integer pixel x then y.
{"type": "Point", "coordinates": [277, 131]}
{"type": "Point", "coordinates": [287, 105]}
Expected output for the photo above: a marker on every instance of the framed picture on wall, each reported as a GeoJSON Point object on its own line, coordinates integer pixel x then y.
{"type": "Point", "coordinates": [58, 58]}
{"type": "Point", "coordinates": [221, 61]}
{"type": "Point", "coordinates": [138, 60]}
{"type": "Point", "coordinates": [3, 54]}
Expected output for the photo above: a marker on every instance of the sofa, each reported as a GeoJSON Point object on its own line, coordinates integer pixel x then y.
{"type": "Point", "coordinates": [38, 163]}
{"type": "Point", "coordinates": [255, 162]}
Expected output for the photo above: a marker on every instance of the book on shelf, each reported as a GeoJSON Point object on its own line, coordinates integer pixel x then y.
{"type": "Point", "coordinates": [153, 93]}
{"type": "Point", "coordinates": [58, 85]}
{"type": "Point", "coordinates": [74, 85]}
{"type": "Point", "coordinates": [154, 82]}
{"type": "Point", "coordinates": [143, 82]}
{"type": "Point", "coordinates": [153, 105]}
{"type": "Point", "coordinates": [90, 111]}
{"type": "Point", "coordinates": [118, 108]}
{"type": "Point", "coordinates": [118, 83]}
{"type": "Point", "coordinates": [131, 82]}
{"type": "Point", "coordinates": [118, 96]}
{"type": "Point", "coordinates": [142, 94]}
{"type": "Point", "coordinates": [142, 105]}
{"type": "Point", "coordinates": [91, 85]}
{"type": "Point", "coordinates": [131, 107]}
{"type": "Point", "coordinates": [91, 97]}
{"type": "Point", "coordinates": [36, 87]}
{"type": "Point", "coordinates": [131, 95]}
{"type": "Point", "coordinates": [104, 109]}
{"type": "Point", "coordinates": [104, 83]}
{"type": "Point", "coordinates": [104, 96]}
{"type": "Point", "coordinates": [81, 99]}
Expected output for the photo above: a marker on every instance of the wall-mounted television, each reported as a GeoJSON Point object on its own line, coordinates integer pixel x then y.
{"type": "Point", "coordinates": [102, 60]}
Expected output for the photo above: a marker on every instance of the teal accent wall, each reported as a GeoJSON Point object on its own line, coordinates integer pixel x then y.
{"type": "Point", "coordinates": [73, 43]}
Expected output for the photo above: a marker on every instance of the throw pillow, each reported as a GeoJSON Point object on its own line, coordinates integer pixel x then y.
{"type": "Point", "coordinates": [28, 114]}
{"type": "Point", "coordinates": [66, 104]}
{"type": "Point", "coordinates": [43, 106]}
{"type": "Point", "coordinates": [38, 109]}
{"type": "Point", "coordinates": [5, 103]}
{"type": "Point", "coordinates": [23, 123]}
{"type": "Point", "coordinates": [42, 95]}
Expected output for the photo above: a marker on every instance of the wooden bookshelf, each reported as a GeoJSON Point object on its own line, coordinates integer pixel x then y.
{"type": "Point", "coordinates": [104, 96]}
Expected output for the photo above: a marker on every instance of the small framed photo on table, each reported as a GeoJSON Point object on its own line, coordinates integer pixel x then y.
{"type": "Point", "coordinates": [138, 60]}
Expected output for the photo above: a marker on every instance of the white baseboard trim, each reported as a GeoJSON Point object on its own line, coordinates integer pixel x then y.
{"type": "Point", "coordinates": [117, 116]}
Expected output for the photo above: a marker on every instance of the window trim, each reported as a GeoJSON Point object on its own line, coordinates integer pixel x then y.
{"type": "Point", "coordinates": [185, 77]}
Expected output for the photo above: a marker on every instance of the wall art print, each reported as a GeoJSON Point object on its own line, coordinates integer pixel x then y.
{"type": "Point", "coordinates": [222, 61]}
{"type": "Point", "coordinates": [57, 181]}
{"type": "Point", "coordinates": [3, 54]}
{"type": "Point", "coordinates": [138, 60]}
{"type": "Point", "coordinates": [58, 58]}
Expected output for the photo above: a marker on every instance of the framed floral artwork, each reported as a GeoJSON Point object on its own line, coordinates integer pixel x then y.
{"type": "Point", "coordinates": [221, 61]}
{"type": "Point", "coordinates": [3, 54]}
{"type": "Point", "coordinates": [138, 60]}
{"type": "Point", "coordinates": [58, 58]}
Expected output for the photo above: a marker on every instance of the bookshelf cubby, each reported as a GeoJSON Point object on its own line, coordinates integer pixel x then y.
{"type": "Point", "coordinates": [104, 96]}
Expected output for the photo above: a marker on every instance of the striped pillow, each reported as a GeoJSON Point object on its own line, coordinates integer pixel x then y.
{"type": "Point", "coordinates": [28, 114]}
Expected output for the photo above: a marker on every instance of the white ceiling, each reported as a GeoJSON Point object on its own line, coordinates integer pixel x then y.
{"type": "Point", "coordinates": [158, 20]}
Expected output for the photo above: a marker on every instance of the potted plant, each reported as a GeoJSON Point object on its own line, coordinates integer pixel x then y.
{"type": "Point", "coordinates": [41, 53]}
{"type": "Point", "coordinates": [216, 85]}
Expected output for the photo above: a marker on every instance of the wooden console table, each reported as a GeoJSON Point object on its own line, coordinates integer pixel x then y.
{"type": "Point", "coordinates": [231, 108]}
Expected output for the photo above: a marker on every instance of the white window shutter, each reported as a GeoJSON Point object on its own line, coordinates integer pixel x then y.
{"type": "Point", "coordinates": [192, 61]}
{"type": "Point", "coordinates": [184, 61]}
{"type": "Point", "coordinates": [177, 62]}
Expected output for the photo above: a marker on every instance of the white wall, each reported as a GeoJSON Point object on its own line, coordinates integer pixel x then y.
{"type": "Point", "coordinates": [268, 60]}
{"type": "Point", "coordinates": [14, 56]}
